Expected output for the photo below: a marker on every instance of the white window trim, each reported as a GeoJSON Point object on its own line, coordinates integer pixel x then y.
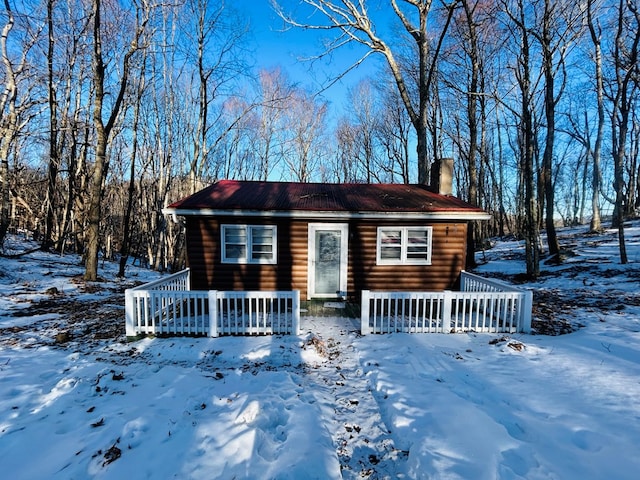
{"type": "Point", "coordinates": [247, 259]}
{"type": "Point", "coordinates": [404, 230]}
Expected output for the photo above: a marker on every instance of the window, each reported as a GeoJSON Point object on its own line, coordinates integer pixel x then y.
{"type": "Point", "coordinates": [404, 246]}
{"type": "Point", "coordinates": [248, 244]}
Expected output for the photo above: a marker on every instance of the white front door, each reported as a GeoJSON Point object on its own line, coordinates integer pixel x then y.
{"type": "Point", "coordinates": [328, 254]}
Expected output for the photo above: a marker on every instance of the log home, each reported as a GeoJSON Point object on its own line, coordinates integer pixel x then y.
{"type": "Point", "coordinates": [256, 249]}
{"type": "Point", "coordinates": [326, 240]}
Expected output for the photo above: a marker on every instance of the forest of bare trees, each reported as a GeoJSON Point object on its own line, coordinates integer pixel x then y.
{"type": "Point", "coordinates": [112, 109]}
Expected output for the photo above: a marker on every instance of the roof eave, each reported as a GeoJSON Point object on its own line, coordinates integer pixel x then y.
{"type": "Point", "coordinates": [317, 214]}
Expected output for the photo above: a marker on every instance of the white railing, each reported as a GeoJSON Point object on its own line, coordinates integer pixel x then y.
{"type": "Point", "coordinates": [482, 306]}
{"type": "Point", "coordinates": [168, 307]}
{"type": "Point", "coordinates": [410, 312]}
{"type": "Point", "coordinates": [510, 307]}
{"type": "Point", "coordinates": [176, 281]}
{"type": "Point", "coordinates": [470, 282]}
{"type": "Point", "coordinates": [255, 313]}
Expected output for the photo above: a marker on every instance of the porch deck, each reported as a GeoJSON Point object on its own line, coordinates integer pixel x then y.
{"type": "Point", "coordinates": [169, 307]}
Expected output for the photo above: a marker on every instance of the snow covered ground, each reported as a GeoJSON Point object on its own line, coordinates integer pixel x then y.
{"type": "Point", "coordinates": [77, 402]}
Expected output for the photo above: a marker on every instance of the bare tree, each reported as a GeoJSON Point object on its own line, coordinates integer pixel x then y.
{"type": "Point", "coordinates": [125, 246]}
{"type": "Point", "coordinates": [556, 32]}
{"type": "Point", "coordinates": [393, 134]}
{"type": "Point", "coordinates": [519, 28]}
{"type": "Point", "coordinates": [365, 122]}
{"type": "Point", "coordinates": [54, 149]}
{"type": "Point", "coordinates": [595, 32]}
{"type": "Point", "coordinates": [467, 28]}
{"type": "Point", "coordinates": [73, 104]}
{"type": "Point", "coordinates": [276, 94]}
{"type": "Point", "coordinates": [9, 120]}
{"type": "Point", "coordinates": [305, 124]}
{"type": "Point", "coordinates": [353, 24]}
{"type": "Point", "coordinates": [343, 169]}
{"type": "Point", "coordinates": [549, 51]}
{"type": "Point", "coordinates": [623, 95]}
{"type": "Point", "coordinates": [215, 35]}
{"type": "Point", "coordinates": [13, 106]}
{"type": "Point", "coordinates": [104, 129]}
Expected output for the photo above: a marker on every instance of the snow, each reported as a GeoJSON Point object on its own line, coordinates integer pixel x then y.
{"type": "Point", "coordinates": [328, 403]}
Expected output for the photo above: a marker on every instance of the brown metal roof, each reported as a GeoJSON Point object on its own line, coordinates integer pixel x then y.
{"type": "Point", "coordinates": [247, 196]}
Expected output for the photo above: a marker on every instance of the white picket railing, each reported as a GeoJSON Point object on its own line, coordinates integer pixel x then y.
{"type": "Point", "coordinates": [168, 307]}
{"type": "Point", "coordinates": [255, 312]}
{"type": "Point", "coordinates": [482, 306]}
{"type": "Point", "coordinates": [409, 312]}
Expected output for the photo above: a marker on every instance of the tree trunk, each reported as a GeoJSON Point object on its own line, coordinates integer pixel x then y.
{"type": "Point", "coordinates": [100, 167]}
{"type": "Point", "coordinates": [54, 157]}
{"type": "Point", "coordinates": [126, 234]}
{"type": "Point", "coordinates": [472, 119]}
{"type": "Point", "coordinates": [8, 125]}
{"type": "Point", "coordinates": [625, 62]}
{"type": "Point", "coordinates": [94, 208]}
{"type": "Point", "coordinates": [531, 226]}
{"type": "Point", "coordinates": [619, 207]}
{"type": "Point", "coordinates": [550, 115]}
{"type": "Point", "coordinates": [5, 198]}
{"type": "Point", "coordinates": [103, 130]}
{"type": "Point", "coordinates": [618, 180]}
{"type": "Point", "coordinates": [200, 146]}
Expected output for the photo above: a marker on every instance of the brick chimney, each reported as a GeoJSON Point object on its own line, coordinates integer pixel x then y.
{"type": "Point", "coordinates": [442, 176]}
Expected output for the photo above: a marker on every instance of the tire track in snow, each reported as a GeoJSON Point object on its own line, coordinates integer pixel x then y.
{"type": "Point", "coordinates": [364, 444]}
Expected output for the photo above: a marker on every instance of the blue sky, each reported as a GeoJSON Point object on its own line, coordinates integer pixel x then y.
{"type": "Point", "coordinates": [276, 47]}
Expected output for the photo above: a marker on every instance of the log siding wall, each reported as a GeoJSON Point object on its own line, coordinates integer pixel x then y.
{"type": "Point", "coordinates": [290, 272]}
{"type": "Point", "coordinates": [448, 249]}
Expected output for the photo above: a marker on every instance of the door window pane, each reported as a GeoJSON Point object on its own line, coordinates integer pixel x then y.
{"type": "Point", "coordinates": [327, 265]}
